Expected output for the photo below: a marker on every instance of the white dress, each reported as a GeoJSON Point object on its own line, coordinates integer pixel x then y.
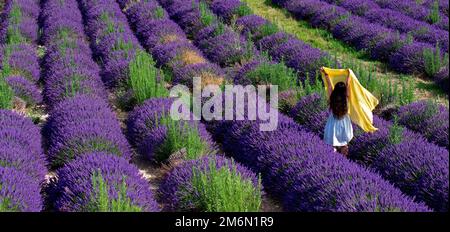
{"type": "Point", "coordinates": [338, 132]}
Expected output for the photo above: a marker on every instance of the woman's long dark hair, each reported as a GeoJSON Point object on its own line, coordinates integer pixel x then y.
{"type": "Point", "coordinates": [338, 100]}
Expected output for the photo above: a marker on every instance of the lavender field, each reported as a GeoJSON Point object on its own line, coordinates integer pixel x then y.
{"type": "Point", "coordinates": [86, 95]}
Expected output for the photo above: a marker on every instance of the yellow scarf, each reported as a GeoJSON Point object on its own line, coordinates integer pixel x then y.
{"type": "Point", "coordinates": [361, 102]}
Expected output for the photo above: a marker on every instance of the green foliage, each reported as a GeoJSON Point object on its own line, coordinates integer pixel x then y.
{"type": "Point", "coordinates": [78, 146]}
{"type": "Point", "coordinates": [180, 137]}
{"type": "Point", "coordinates": [409, 38]}
{"type": "Point", "coordinates": [159, 12]}
{"type": "Point", "coordinates": [223, 190]}
{"type": "Point", "coordinates": [121, 45]}
{"type": "Point", "coordinates": [15, 15]}
{"type": "Point", "coordinates": [111, 26]}
{"type": "Point", "coordinates": [433, 60]}
{"type": "Point", "coordinates": [6, 95]}
{"type": "Point", "coordinates": [395, 132]}
{"type": "Point", "coordinates": [263, 31]}
{"type": "Point", "coordinates": [275, 74]}
{"type": "Point", "coordinates": [100, 200]}
{"type": "Point", "coordinates": [146, 80]}
{"type": "Point", "coordinates": [14, 36]}
{"type": "Point", "coordinates": [7, 206]}
{"type": "Point", "coordinates": [219, 29]}
{"type": "Point", "coordinates": [249, 49]}
{"type": "Point", "coordinates": [434, 16]}
{"type": "Point", "coordinates": [73, 86]}
{"type": "Point", "coordinates": [65, 35]}
{"type": "Point", "coordinates": [431, 109]}
{"type": "Point", "coordinates": [206, 16]}
{"type": "Point", "coordinates": [267, 29]}
{"type": "Point", "coordinates": [243, 10]}
{"type": "Point", "coordinates": [407, 95]}
{"type": "Point", "coordinates": [310, 86]}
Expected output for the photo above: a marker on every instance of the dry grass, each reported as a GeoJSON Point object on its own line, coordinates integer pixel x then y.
{"type": "Point", "coordinates": [191, 57]}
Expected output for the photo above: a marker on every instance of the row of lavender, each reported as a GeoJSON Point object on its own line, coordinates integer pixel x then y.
{"type": "Point", "coordinates": [287, 49]}
{"type": "Point", "coordinates": [157, 138]}
{"type": "Point", "coordinates": [248, 150]}
{"type": "Point", "coordinates": [154, 29]}
{"type": "Point", "coordinates": [168, 43]}
{"type": "Point", "coordinates": [22, 160]}
{"type": "Point", "coordinates": [22, 163]}
{"type": "Point", "coordinates": [238, 54]}
{"type": "Point", "coordinates": [19, 59]}
{"type": "Point", "coordinates": [393, 19]}
{"type": "Point", "coordinates": [83, 138]}
{"type": "Point", "coordinates": [406, 159]}
{"type": "Point", "coordinates": [424, 12]}
{"type": "Point", "coordinates": [283, 48]}
{"type": "Point", "coordinates": [314, 120]}
{"type": "Point", "coordinates": [381, 43]}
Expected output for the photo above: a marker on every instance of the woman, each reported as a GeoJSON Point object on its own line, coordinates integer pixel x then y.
{"type": "Point", "coordinates": [338, 130]}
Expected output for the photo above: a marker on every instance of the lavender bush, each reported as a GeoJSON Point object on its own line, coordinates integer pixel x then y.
{"type": "Point", "coordinates": [99, 182]}
{"type": "Point", "coordinates": [83, 124]}
{"type": "Point", "coordinates": [420, 170]}
{"type": "Point", "coordinates": [19, 192]}
{"type": "Point", "coordinates": [181, 191]}
{"type": "Point", "coordinates": [426, 118]}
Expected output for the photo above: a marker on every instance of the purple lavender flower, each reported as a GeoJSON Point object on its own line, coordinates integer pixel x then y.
{"type": "Point", "coordinates": [112, 39]}
{"type": "Point", "coordinates": [409, 58]}
{"type": "Point", "coordinates": [225, 49]}
{"type": "Point", "coordinates": [177, 53]}
{"type": "Point", "coordinates": [20, 145]}
{"type": "Point", "coordinates": [83, 124]}
{"type": "Point", "coordinates": [311, 111]}
{"type": "Point", "coordinates": [23, 60]}
{"type": "Point", "coordinates": [25, 90]}
{"type": "Point", "coordinates": [177, 185]}
{"type": "Point", "coordinates": [391, 18]}
{"type": "Point", "coordinates": [15, 156]}
{"type": "Point", "coordinates": [300, 169]}
{"type": "Point", "coordinates": [251, 25]}
{"type": "Point", "coordinates": [225, 8]}
{"type": "Point", "coordinates": [420, 169]}
{"type": "Point", "coordinates": [272, 42]}
{"type": "Point", "coordinates": [441, 79]}
{"type": "Point", "coordinates": [146, 131]}
{"type": "Point", "coordinates": [16, 129]}
{"type": "Point", "coordinates": [379, 41]}
{"type": "Point", "coordinates": [299, 56]}
{"type": "Point", "coordinates": [209, 74]}
{"type": "Point", "coordinates": [143, 11]}
{"type": "Point", "coordinates": [71, 82]}
{"type": "Point", "coordinates": [142, 116]}
{"type": "Point", "coordinates": [19, 192]}
{"type": "Point", "coordinates": [365, 147]}
{"type": "Point", "coordinates": [4, 20]}
{"type": "Point", "coordinates": [158, 32]}
{"type": "Point", "coordinates": [426, 118]}
{"type": "Point", "coordinates": [75, 189]}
